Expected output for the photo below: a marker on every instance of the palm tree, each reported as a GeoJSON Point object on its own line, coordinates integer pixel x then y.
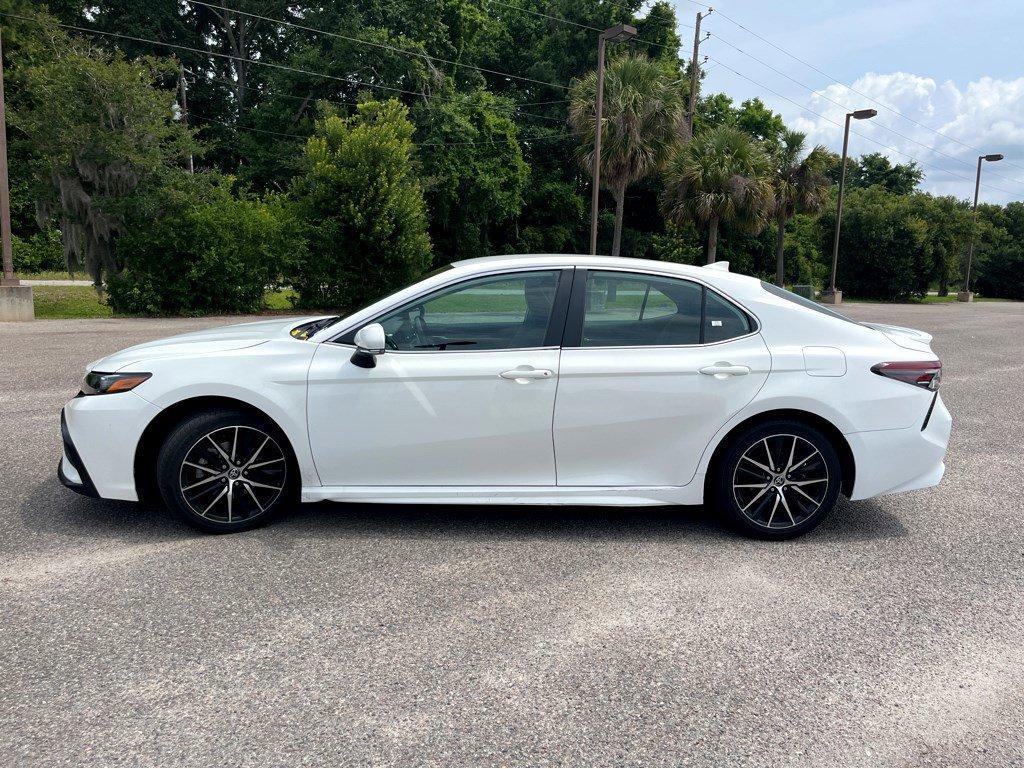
{"type": "Point", "coordinates": [641, 121]}
{"type": "Point", "coordinates": [722, 176]}
{"type": "Point", "coordinates": [799, 185]}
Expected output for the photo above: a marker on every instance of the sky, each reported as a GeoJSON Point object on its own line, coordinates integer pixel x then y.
{"type": "Point", "coordinates": [927, 66]}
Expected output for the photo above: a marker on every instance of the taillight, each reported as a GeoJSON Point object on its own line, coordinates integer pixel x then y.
{"type": "Point", "coordinates": [923, 373]}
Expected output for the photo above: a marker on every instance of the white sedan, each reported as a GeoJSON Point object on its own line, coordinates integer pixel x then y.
{"type": "Point", "coordinates": [568, 380]}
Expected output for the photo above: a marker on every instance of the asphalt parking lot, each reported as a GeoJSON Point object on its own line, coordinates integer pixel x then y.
{"type": "Point", "coordinates": [893, 634]}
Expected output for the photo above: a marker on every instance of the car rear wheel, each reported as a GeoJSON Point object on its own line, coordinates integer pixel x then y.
{"type": "Point", "coordinates": [226, 471]}
{"type": "Point", "coordinates": [778, 480]}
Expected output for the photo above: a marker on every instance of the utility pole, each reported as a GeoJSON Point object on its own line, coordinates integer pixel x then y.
{"type": "Point", "coordinates": [618, 34]}
{"type": "Point", "coordinates": [15, 299]}
{"type": "Point", "coordinates": [966, 295]}
{"type": "Point", "coordinates": [695, 68]}
{"type": "Point", "coordinates": [184, 107]}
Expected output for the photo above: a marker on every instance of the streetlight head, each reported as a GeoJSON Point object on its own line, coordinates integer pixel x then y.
{"type": "Point", "coordinates": [863, 114]}
{"type": "Point", "coordinates": [993, 158]}
{"type": "Point", "coordinates": [619, 33]}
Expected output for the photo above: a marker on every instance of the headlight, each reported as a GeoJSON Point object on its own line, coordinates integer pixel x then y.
{"type": "Point", "coordinates": [98, 383]}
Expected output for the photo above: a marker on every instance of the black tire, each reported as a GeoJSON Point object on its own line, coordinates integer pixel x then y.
{"type": "Point", "coordinates": [200, 483]}
{"type": "Point", "coordinates": [777, 505]}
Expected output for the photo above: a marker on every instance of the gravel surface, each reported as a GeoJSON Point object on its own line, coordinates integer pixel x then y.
{"type": "Point", "coordinates": [893, 634]}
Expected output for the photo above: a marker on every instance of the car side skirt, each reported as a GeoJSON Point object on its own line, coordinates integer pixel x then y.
{"type": "Point", "coordinates": [605, 496]}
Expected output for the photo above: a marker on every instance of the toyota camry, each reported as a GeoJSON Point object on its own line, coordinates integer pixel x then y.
{"type": "Point", "coordinates": [551, 380]}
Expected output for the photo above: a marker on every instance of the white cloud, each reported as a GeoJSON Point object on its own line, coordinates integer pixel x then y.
{"type": "Point", "coordinates": [987, 114]}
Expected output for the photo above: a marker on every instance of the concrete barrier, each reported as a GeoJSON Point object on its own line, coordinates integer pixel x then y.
{"type": "Point", "coordinates": [16, 303]}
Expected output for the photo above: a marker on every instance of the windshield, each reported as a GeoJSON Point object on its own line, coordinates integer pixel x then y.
{"type": "Point", "coordinates": [810, 304]}
{"type": "Point", "coordinates": [306, 330]}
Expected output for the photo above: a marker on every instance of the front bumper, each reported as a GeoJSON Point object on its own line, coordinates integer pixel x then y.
{"type": "Point", "coordinates": [101, 434]}
{"type": "Point", "coordinates": [889, 461]}
{"type": "Point", "coordinates": [71, 470]}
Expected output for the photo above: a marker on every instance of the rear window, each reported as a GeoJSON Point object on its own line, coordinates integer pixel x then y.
{"type": "Point", "coordinates": [810, 304]}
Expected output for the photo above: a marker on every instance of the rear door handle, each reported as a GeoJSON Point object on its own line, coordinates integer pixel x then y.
{"type": "Point", "coordinates": [724, 370]}
{"type": "Point", "coordinates": [524, 374]}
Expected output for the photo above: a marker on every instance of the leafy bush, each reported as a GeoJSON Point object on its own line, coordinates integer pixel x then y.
{"type": "Point", "coordinates": [194, 248]}
{"type": "Point", "coordinates": [882, 247]}
{"type": "Point", "coordinates": [359, 209]}
{"type": "Point", "coordinates": [1002, 275]}
{"type": "Point", "coordinates": [42, 252]}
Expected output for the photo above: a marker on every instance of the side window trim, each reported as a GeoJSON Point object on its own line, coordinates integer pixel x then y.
{"type": "Point", "coordinates": [552, 335]}
{"type": "Point", "coordinates": [573, 336]}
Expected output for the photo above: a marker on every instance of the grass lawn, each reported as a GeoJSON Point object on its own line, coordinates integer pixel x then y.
{"type": "Point", "coordinates": [69, 302]}
{"type": "Point", "coordinates": [53, 275]}
{"type": "Point", "coordinates": [60, 302]}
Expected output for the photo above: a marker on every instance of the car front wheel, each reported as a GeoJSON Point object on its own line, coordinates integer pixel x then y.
{"type": "Point", "coordinates": [778, 480]}
{"type": "Point", "coordinates": [225, 471]}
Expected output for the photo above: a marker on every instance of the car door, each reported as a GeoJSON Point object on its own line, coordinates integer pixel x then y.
{"type": "Point", "coordinates": [463, 395]}
{"type": "Point", "coordinates": [652, 366]}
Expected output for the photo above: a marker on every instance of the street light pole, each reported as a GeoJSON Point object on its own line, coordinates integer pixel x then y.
{"type": "Point", "coordinates": [15, 299]}
{"type": "Point", "coordinates": [966, 295]}
{"type": "Point", "coordinates": [618, 33]}
{"type": "Point", "coordinates": [833, 295]}
{"type": "Point", "coordinates": [9, 278]}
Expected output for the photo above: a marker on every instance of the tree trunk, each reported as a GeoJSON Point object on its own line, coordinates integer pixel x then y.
{"type": "Point", "coordinates": [712, 239]}
{"type": "Point", "coordinates": [620, 207]}
{"type": "Point", "coordinates": [780, 252]}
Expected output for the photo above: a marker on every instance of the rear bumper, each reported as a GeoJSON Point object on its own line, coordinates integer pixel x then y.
{"type": "Point", "coordinates": [890, 461]}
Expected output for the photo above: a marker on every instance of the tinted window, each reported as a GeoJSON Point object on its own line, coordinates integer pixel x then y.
{"type": "Point", "coordinates": [493, 313]}
{"type": "Point", "coordinates": [810, 304]}
{"type": "Point", "coordinates": [627, 310]}
{"type": "Point", "coordinates": [723, 320]}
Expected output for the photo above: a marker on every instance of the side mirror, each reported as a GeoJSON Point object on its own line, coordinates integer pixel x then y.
{"type": "Point", "coordinates": [369, 344]}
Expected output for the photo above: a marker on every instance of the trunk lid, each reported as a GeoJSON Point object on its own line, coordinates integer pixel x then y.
{"type": "Point", "coordinates": [907, 338]}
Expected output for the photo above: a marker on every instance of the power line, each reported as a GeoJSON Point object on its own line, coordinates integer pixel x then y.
{"type": "Point", "coordinates": [374, 44]}
{"type": "Point", "coordinates": [846, 108]}
{"type": "Point", "coordinates": [336, 101]}
{"type": "Point", "coordinates": [247, 128]}
{"type": "Point", "coordinates": [347, 80]}
{"type": "Point", "coordinates": [857, 133]}
{"type": "Point", "coordinates": [851, 88]}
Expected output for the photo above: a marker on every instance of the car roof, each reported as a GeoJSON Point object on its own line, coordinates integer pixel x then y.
{"type": "Point", "coordinates": [718, 272]}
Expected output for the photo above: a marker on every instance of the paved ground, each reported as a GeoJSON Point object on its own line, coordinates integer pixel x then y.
{"type": "Point", "coordinates": [894, 634]}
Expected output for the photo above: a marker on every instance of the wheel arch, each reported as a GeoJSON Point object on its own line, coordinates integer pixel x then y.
{"type": "Point", "coordinates": [829, 430]}
{"type": "Point", "coordinates": [151, 439]}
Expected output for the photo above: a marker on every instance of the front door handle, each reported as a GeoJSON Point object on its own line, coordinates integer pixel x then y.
{"type": "Point", "coordinates": [524, 374]}
{"type": "Point", "coordinates": [723, 370]}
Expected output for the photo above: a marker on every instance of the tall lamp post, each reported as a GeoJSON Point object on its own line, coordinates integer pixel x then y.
{"type": "Point", "coordinates": [834, 296]}
{"type": "Point", "coordinates": [617, 34]}
{"type": "Point", "coordinates": [966, 295]}
{"type": "Point", "coordinates": [15, 299]}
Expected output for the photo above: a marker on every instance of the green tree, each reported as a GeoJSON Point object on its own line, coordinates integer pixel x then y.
{"type": "Point", "coordinates": [948, 223]}
{"type": "Point", "coordinates": [473, 173]}
{"type": "Point", "coordinates": [883, 248]}
{"type": "Point", "coordinates": [721, 177]}
{"type": "Point", "coordinates": [876, 169]}
{"type": "Point", "coordinates": [102, 135]}
{"type": "Point", "coordinates": [359, 208]}
{"type": "Point", "coordinates": [642, 120]}
{"type": "Point", "coordinates": [799, 185]}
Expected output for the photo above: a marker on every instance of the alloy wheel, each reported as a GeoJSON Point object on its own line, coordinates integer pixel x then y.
{"type": "Point", "coordinates": [780, 481]}
{"type": "Point", "coordinates": [232, 474]}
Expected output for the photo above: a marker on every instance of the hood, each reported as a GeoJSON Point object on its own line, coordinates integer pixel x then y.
{"type": "Point", "coordinates": [907, 338]}
{"type": "Point", "coordinates": [205, 342]}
